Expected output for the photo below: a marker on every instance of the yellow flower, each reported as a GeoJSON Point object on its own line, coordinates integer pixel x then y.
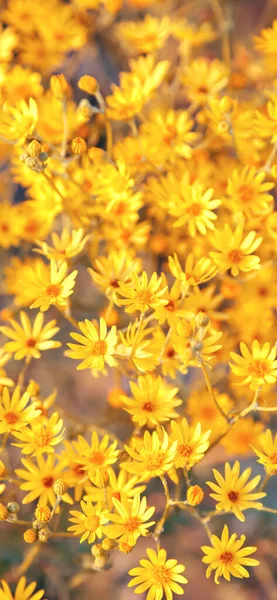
{"type": "Point", "coordinates": [89, 523]}
{"type": "Point", "coordinates": [40, 437]}
{"type": "Point", "coordinates": [40, 477]}
{"type": "Point", "coordinates": [96, 348]}
{"type": "Point", "coordinates": [233, 250]}
{"type": "Point", "coordinates": [97, 457]}
{"type": "Point", "coordinates": [9, 225]}
{"type": "Point", "coordinates": [193, 207]}
{"type": "Point", "coordinates": [130, 519]}
{"type": "Point", "coordinates": [21, 83]}
{"type": "Point", "coordinates": [144, 36]}
{"type": "Point", "coordinates": [227, 557]}
{"type": "Point", "coordinates": [14, 412]}
{"type": "Point", "coordinates": [8, 42]}
{"type": "Point", "coordinates": [248, 192]}
{"type": "Point", "coordinates": [267, 457]}
{"type": "Point", "coordinates": [118, 265]}
{"type": "Point", "coordinates": [153, 401]}
{"type": "Point", "coordinates": [128, 99]}
{"type": "Point", "coordinates": [119, 484]}
{"type": "Point", "coordinates": [203, 79]}
{"type": "Point", "coordinates": [195, 495]}
{"type": "Point", "coordinates": [49, 285]}
{"type": "Point", "coordinates": [267, 41]}
{"type": "Point", "coordinates": [233, 492]}
{"type": "Point", "coordinates": [158, 575]}
{"type": "Point", "coordinates": [170, 133]}
{"type": "Point", "coordinates": [192, 342]}
{"type": "Point", "coordinates": [29, 339]}
{"type": "Point", "coordinates": [65, 246]}
{"type": "Point", "coordinates": [74, 474]}
{"type": "Point", "coordinates": [19, 121]}
{"type": "Point", "coordinates": [191, 443]}
{"type": "Point", "coordinates": [138, 348]}
{"type": "Point", "coordinates": [22, 591]}
{"type": "Point", "coordinates": [267, 124]}
{"type": "Point", "coordinates": [141, 294]}
{"type": "Point", "coordinates": [153, 456]}
{"type": "Point", "coordinates": [256, 367]}
{"type": "Point", "coordinates": [244, 433]}
{"type": "Point", "coordinates": [195, 271]}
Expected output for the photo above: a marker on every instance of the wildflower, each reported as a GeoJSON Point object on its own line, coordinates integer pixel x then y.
{"type": "Point", "coordinates": [89, 523]}
{"type": "Point", "coordinates": [138, 347]}
{"type": "Point", "coordinates": [130, 520]}
{"type": "Point", "coordinates": [268, 455]}
{"type": "Point", "coordinates": [153, 456]}
{"type": "Point", "coordinates": [88, 84]}
{"type": "Point", "coordinates": [158, 575]}
{"type": "Point", "coordinates": [22, 590]}
{"type": "Point", "coordinates": [234, 492]}
{"type": "Point", "coordinates": [267, 41]}
{"type": "Point", "coordinates": [19, 121]}
{"type": "Point", "coordinates": [126, 100]}
{"type": "Point", "coordinates": [97, 457]}
{"type": "Point", "coordinates": [144, 36]}
{"type": "Point", "coordinates": [15, 412]}
{"type": "Point", "coordinates": [233, 250]}
{"type": "Point", "coordinates": [40, 437]}
{"type": "Point", "coordinates": [39, 479]}
{"type": "Point", "coordinates": [141, 294]}
{"type": "Point", "coordinates": [153, 401]}
{"type": "Point", "coordinates": [257, 366]}
{"type": "Point", "coordinates": [59, 87]}
{"type": "Point", "coordinates": [66, 246]}
{"type": "Point", "coordinates": [195, 495]}
{"type": "Point", "coordinates": [191, 443]}
{"type": "Point", "coordinates": [227, 557]}
{"type": "Point", "coordinates": [170, 132]}
{"type": "Point", "coordinates": [194, 208]}
{"type": "Point", "coordinates": [248, 192]}
{"type": "Point", "coordinates": [117, 485]}
{"type": "Point", "coordinates": [117, 266]}
{"type": "Point", "coordinates": [203, 79]}
{"type": "Point", "coordinates": [29, 339]}
{"type": "Point", "coordinates": [96, 348]}
{"type": "Point", "coordinates": [49, 285]}
{"type": "Point", "coordinates": [195, 271]}
{"type": "Point", "coordinates": [267, 123]}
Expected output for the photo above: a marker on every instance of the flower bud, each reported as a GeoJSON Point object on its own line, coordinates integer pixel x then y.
{"type": "Point", "coordinates": [4, 513]}
{"type": "Point", "coordinates": [44, 534]}
{"type": "Point", "coordinates": [195, 495]}
{"type": "Point", "coordinates": [202, 319]}
{"type": "Point", "coordinates": [60, 487]}
{"type": "Point", "coordinates": [59, 87]}
{"type": "Point", "coordinates": [43, 514]}
{"type": "Point", "coordinates": [34, 148]}
{"type": "Point", "coordinates": [78, 145]}
{"type": "Point", "coordinates": [2, 469]}
{"type": "Point", "coordinates": [97, 550]}
{"type": "Point", "coordinates": [30, 536]}
{"type": "Point", "coordinates": [33, 388]}
{"type": "Point", "coordinates": [13, 508]}
{"type": "Point", "coordinates": [96, 155]}
{"type": "Point", "coordinates": [88, 84]}
{"type": "Point", "coordinates": [114, 397]}
{"type": "Point", "coordinates": [33, 163]}
{"type": "Point", "coordinates": [108, 544]}
{"type": "Point", "coordinates": [124, 547]}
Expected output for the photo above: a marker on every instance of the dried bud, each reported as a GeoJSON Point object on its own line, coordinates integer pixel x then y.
{"type": "Point", "coordinates": [60, 487]}
{"type": "Point", "coordinates": [195, 495]}
{"type": "Point", "coordinates": [43, 514]}
{"type": "Point", "coordinates": [78, 145]}
{"type": "Point", "coordinates": [4, 513]}
{"type": "Point", "coordinates": [100, 562]}
{"type": "Point", "coordinates": [44, 534]}
{"type": "Point", "coordinates": [88, 84]}
{"type": "Point", "coordinates": [124, 547]}
{"type": "Point", "coordinates": [13, 508]}
{"type": "Point", "coordinates": [2, 469]}
{"type": "Point", "coordinates": [34, 148]}
{"type": "Point", "coordinates": [202, 319]}
{"type": "Point", "coordinates": [108, 544]}
{"type": "Point", "coordinates": [33, 163]}
{"type": "Point", "coordinates": [59, 87]}
{"type": "Point", "coordinates": [23, 156]}
{"type": "Point", "coordinates": [30, 536]}
{"type": "Point", "coordinates": [97, 550]}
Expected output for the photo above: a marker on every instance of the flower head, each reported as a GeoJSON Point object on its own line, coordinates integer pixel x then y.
{"type": "Point", "coordinates": [89, 523]}
{"type": "Point", "coordinates": [130, 520]}
{"type": "Point", "coordinates": [29, 339]}
{"type": "Point", "coordinates": [257, 367]}
{"type": "Point", "coordinates": [233, 250]}
{"type": "Point", "coordinates": [19, 121]}
{"type": "Point", "coordinates": [191, 443]}
{"type": "Point", "coordinates": [96, 348]}
{"type": "Point", "coordinates": [15, 412]}
{"type": "Point", "coordinates": [141, 294]}
{"type": "Point", "coordinates": [153, 401]}
{"type": "Point", "coordinates": [153, 456]}
{"type": "Point", "coordinates": [40, 477]}
{"type": "Point", "coordinates": [22, 591]}
{"type": "Point", "coordinates": [50, 285]}
{"type": "Point", "coordinates": [159, 575]}
{"type": "Point", "coordinates": [268, 455]}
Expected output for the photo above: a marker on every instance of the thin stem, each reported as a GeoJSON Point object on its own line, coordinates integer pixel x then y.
{"type": "Point", "coordinates": [160, 525]}
{"type": "Point", "coordinates": [224, 31]}
{"type": "Point", "coordinates": [265, 482]}
{"type": "Point", "coordinates": [252, 406]}
{"type": "Point", "coordinates": [4, 442]}
{"type": "Point", "coordinates": [21, 376]}
{"type": "Point", "coordinates": [211, 392]}
{"type": "Point", "coordinates": [62, 534]}
{"type": "Point", "coordinates": [109, 131]}
{"type": "Point", "coordinates": [270, 159]}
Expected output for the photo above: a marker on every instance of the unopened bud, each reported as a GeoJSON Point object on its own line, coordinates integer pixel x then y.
{"type": "Point", "coordinates": [13, 508]}
{"type": "Point", "coordinates": [108, 544]}
{"type": "Point", "coordinates": [43, 514]}
{"type": "Point", "coordinates": [88, 84]}
{"type": "Point", "coordinates": [44, 534]}
{"type": "Point", "coordinates": [60, 487]}
{"type": "Point", "coordinates": [59, 87]}
{"type": "Point", "coordinates": [30, 536]}
{"type": "Point", "coordinates": [4, 513]}
{"type": "Point", "coordinates": [195, 495]}
{"type": "Point", "coordinates": [34, 148]}
{"type": "Point", "coordinates": [78, 145]}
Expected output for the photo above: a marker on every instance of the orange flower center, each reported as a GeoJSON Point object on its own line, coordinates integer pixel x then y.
{"type": "Point", "coordinates": [170, 306]}
{"type": "Point", "coordinates": [48, 481]}
{"type": "Point", "coordinates": [170, 353]}
{"type": "Point", "coordinates": [257, 368]}
{"type": "Point", "coordinates": [4, 227]}
{"type": "Point", "coordinates": [233, 496]}
{"type": "Point", "coordinates": [245, 193]}
{"type": "Point", "coordinates": [11, 418]}
{"type": "Point", "coordinates": [92, 522]}
{"type": "Point", "coordinates": [171, 133]}
{"type": "Point", "coordinates": [148, 406]}
{"type": "Point", "coordinates": [144, 296]}
{"type": "Point", "coordinates": [43, 440]}
{"type": "Point", "coordinates": [273, 459]}
{"type": "Point", "coordinates": [132, 524]}
{"type": "Point", "coordinates": [226, 557]}
{"type": "Point", "coordinates": [114, 283]}
{"type": "Point", "coordinates": [185, 450]}
{"type": "Point", "coordinates": [30, 343]}
{"type": "Point", "coordinates": [99, 348]}
{"type": "Point", "coordinates": [235, 255]}
{"type": "Point", "coordinates": [78, 470]}
{"type": "Point", "coordinates": [160, 574]}
{"type": "Point", "coordinates": [97, 458]}
{"type": "Point", "coordinates": [202, 89]}
{"type": "Point", "coordinates": [195, 209]}
{"type": "Point", "coordinates": [155, 462]}
{"type": "Point", "coordinates": [53, 290]}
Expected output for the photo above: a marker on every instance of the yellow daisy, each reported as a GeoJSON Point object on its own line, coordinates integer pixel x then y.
{"type": "Point", "coordinates": [158, 575]}
{"type": "Point", "coordinates": [89, 523]}
{"type": "Point", "coordinates": [130, 520]}
{"type": "Point", "coordinates": [153, 401]}
{"type": "Point", "coordinates": [29, 339]}
{"type": "Point", "coordinates": [95, 348]}
{"type": "Point", "coordinates": [15, 413]}
{"type": "Point", "coordinates": [256, 367]}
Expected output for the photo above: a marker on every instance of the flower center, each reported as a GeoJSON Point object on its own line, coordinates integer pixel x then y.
{"type": "Point", "coordinates": [144, 296]}
{"type": "Point", "coordinates": [99, 348]}
{"type": "Point", "coordinates": [48, 481]}
{"type": "Point", "coordinates": [170, 353]}
{"type": "Point", "coordinates": [53, 290]}
{"type": "Point", "coordinates": [273, 459]}
{"type": "Point", "coordinates": [114, 283]}
{"type": "Point", "coordinates": [226, 557]}
{"type": "Point", "coordinates": [245, 193]}
{"type": "Point", "coordinates": [235, 255]}
{"type": "Point", "coordinates": [160, 574]}
{"type": "Point", "coordinates": [233, 496]}
{"type": "Point", "coordinates": [148, 406]}
{"type": "Point", "coordinates": [184, 450]}
{"type": "Point", "coordinates": [257, 368]}
{"type": "Point", "coordinates": [171, 133]}
{"type": "Point", "coordinates": [43, 440]}
{"type": "Point", "coordinates": [30, 343]}
{"type": "Point", "coordinates": [78, 470]}
{"type": "Point", "coordinates": [155, 462]}
{"type": "Point", "coordinates": [202, 89]}
{"type": "Point", "coordinates": [170, 306]}
{"type": "Point", "coordinates": [92, 522]}
{"type": "Point", "coordinates": [97, 458]}
{"type": "Point", "coordinates": [132, 524]}
{"type": "Point", "coordinates": [194, 209]}
{"type": "Point", "coordinates": [4, 227]}
{"type": "Point", "coordinates": [11, 418]}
